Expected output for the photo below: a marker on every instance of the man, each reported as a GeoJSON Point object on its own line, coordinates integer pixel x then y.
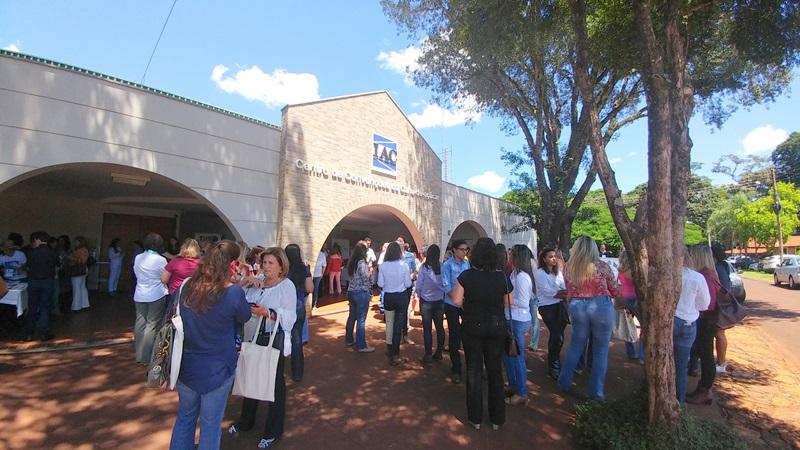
{"type": "Point", "coordinates": [451, 269]}
{"type": "Point", "coordinates": [12, 263]}
{"type": "Point", "coordinates": [42, 262]}
{"type": "Point", "coordinates": [372, 259]}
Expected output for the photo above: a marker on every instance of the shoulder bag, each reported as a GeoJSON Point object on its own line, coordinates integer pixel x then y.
{"type": "Point", "coordinates": [257, 367]}
{"type": "Point", "coordinates": [729, 311]}
{"type": "Point", "coordinates": [511, 344]}
{"type": "Point", "coordinates": [625, 328]}
{"type": "Point", "coordinates": [165, 362]}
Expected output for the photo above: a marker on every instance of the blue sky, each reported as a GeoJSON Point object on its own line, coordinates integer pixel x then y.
{"type": "Point", "coordinates": [253, 57]}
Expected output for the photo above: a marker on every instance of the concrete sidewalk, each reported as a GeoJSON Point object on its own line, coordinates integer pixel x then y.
{"type": "Point", "coordinates": [95, 398]}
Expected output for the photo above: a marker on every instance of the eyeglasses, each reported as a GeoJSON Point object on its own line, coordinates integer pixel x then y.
{"type": "Point", "coordinates": [463, 249]}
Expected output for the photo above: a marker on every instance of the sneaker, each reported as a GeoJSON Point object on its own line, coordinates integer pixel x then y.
{"type": "Point", "coordinates": [349, 344]}
{"type": "Point", "coordinates": [722, 369]}
{"type": "Point", "coordinates": [495, 426]}
{"type": "Point", "coordinates": [477, 426]}
{"type": "Point", "coordinates": [366, 350]}
{"type": "Point", "coordinates": [232, 430]}
{"type": "Point", "coordinates": [408, 340]}
{"type": "Point", "coordinates": [265, 443]}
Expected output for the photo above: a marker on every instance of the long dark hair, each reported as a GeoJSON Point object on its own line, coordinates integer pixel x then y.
{"type": "Point", "coordinates": [521, 257]}
{"type": "Point", "coordinates": [393, 252]}
{"type": "Point", "coordinates": [484, 255]}
{"type": "Point", "coordinates": [543, 265]}
{"type": "Point", "coordinates": [297, 271]}
{"type": "Point", "coordinates": [433, 259]}
{"type": "Point", "coordinates": [502, 257]}
{"type": "Point", "coordinates": [209, 280]}
{"type": "Point", "coordinates": [359, 254]}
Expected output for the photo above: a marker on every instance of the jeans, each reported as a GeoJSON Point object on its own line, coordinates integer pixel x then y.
{"type": "Point", "coordinates": [634, 350]}
{"type": "Point", "coordinates": [315, 294]}
{"type": "Point", "coordinates": [454, 316]}
{"type": "Point", "coordinates": [488, 350]}
{"type": "Point", "coordinates": [298, 361]}
{"type": "Point", "coordinates": [534, 342]}
{"type": "Point", "coordinates": [516, 370]}
{"type": "Point", "coordinates": [276, 412]}
{"type": "Point", "coordinates": [683, 334]}
{"type": "Point", "coordinates": [209, 407]}
{"type": "Point", "coordinates": [704, 342]}
{"type": "Point", "coordinates": [551, 316]}
{"type": "Point", "coordinates": [359, 307]}
{"type": "Point", "coordinates": [40, 296]}
{"type": "Point", "coordinates": [593, 315]}
{"type": "Point", "coordinates": [397, 302]}
{"type": "Point", "coordinates": [433, 314]}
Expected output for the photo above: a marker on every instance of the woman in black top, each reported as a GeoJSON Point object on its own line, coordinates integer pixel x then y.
{"type": "Point", "coordinates": [483, 293]}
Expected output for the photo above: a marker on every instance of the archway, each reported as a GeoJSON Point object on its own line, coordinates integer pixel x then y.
{"type": "Point", "coordinates": [469, 231]}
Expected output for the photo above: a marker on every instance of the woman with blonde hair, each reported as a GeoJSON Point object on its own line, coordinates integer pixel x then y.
{"type": "Point", "coordinates": [211, 307]}
{"type": "Point", "coordinates": [276, 301]}
{"type": "Point", "coordinates": [591, 285]}
{"type": "Point", "coordinates": [701, 260]}
{"type": "Point", "coordinates": [181, 266]}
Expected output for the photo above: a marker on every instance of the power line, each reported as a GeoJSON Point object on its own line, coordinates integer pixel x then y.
{"type": "Point", "coordinates": [157, 41]}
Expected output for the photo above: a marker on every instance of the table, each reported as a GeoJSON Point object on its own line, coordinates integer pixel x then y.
{"type": "Point", "coordinates": [17, 296]}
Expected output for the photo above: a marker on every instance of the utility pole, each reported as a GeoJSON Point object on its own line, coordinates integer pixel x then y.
{"type": "Point", "coordinates": [776, 206]}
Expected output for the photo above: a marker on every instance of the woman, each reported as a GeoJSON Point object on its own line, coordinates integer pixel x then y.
{"type": "Point", "coordinates": [211, 307]}
{"type": "Point", "coordinates": [181, 267]}
{"type": "Point", "coordinates": [627, 290]}
{"type": "Point", "coordinates": [77, 271]}
{"type": "Point", "coordinates": [431, 293]}
{"type": "Point", "coordinates": [277, 299]}
{"type": "Point", "coordinates": [335, 270]}
{"type": "Point", "coordinates": [724, 275]}
{"type": "Point", "coordinates": [590, 287]}
{"type": "Point", "coordinates": [394, 278]}
{"type": "Point", "coordinates": [300, 274]}
{"type": "Point", "coordinates": [150, 296]}
{"type": "Point", "coordinates": [172, 248]}
{"type": "Point", "coordinates": [519, 313]}
{"type": "Point", "coordinates": [702, 261]}
{"type": "Point", "coordinates": [550, 291]}
{"type": "Point", "coordinates": [358, 295]}
{"type": "Point", "coordinates": [115, 255]}
{"type": "Point", "coordinates": [483, 293]}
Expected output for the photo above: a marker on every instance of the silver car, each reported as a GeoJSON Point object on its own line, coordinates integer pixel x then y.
{"type": "Point", "coordinates": [737, 285]}
{"type": "Point", "coordinates": [769, 263]}
{"type": "Point", "coordinates": [788, 272]}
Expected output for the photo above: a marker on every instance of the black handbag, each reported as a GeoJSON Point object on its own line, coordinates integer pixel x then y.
{"type": "Point", "coordinates": [511, 344]}
{"type": "Point", "coordinates": [563, 312]}
{"type": "Point", "coordinates": [263, 336]}
{"type": "Point", "coordinates": [729, 311]}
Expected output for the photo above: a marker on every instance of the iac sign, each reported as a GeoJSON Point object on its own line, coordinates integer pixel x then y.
{"type": "Point", "coordinates": [384, 155]}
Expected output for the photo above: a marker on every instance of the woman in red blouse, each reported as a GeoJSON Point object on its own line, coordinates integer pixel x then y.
{"type": "Point", "coordinates": [335, 270]}
{"type": "Point", "coordinates": [591, 287]}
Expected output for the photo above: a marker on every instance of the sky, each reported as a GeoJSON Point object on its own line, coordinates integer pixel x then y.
{"type": "Point", "coordinates": [254, 57]}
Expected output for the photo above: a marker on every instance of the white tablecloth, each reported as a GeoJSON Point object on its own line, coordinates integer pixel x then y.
{"type": "Point", "coordinates": [17, 296]}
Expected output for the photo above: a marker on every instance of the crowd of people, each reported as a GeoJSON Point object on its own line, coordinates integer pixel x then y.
{"type": "Point", "coordinates": [486, 294]}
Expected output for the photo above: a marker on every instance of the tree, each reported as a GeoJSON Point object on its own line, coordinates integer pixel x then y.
{"type": "Point", "coordinates": [723, 224]}
{"type": "Point", "coordinates": [702, 200]}
{"type": "Point", "coordinates": [513, 59]}
{"type": "Point", "coordinates": [786, 159]}
{"type": "Point", "coordinates": [715, 52]}
{"type": "Point", "coordinates": [751, 173]}
{"type": "Point", "coordinates": [756, 220]}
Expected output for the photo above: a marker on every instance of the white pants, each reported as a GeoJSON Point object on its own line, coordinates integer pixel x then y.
{"type": "Point", "coordinates": [80, 295]}
{"type": "Point", "coordinates": [114, 269]}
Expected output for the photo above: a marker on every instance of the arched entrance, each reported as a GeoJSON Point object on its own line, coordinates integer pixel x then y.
{"type": "Point", "coordinates": [469, 231]}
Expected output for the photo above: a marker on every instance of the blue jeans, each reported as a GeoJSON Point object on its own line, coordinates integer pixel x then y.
{"type": "Point", "coordinates": [516, 370]}
{"type": "Point", "coordinates": [534, 343]}
{"type": "Point", "coordinates": [298, 360]}
{"type": "Point", "coordinates": [210, 407]}
{"type": "Point", "coordinates": [359, 307]}
{"type": "Point", "coordinates": [315, 294]}
{"type": "Point", "coordinates": [634, 350]}
{"type": "Point", "coordinates": [40, 296]}
{"type": "Point", "coordinates": [433, 314]}
{"type": "Point", "coordinates": [593, 315]}
{"type": "Point", "coordinates": [683, 334]}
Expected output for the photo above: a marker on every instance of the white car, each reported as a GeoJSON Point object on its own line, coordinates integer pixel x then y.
{"type": "Point", "coordinates": [788, 272]}
{"type": "Point", "coordinates": [769, 263]}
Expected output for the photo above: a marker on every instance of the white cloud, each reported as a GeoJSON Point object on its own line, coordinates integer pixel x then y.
{"type": "Point", "coordinates": [488, 181]}
{"type": "Point", "coordinates": [630, 154]}
{"type": "Point", "coordinates": [615, 160]}
{"type": "Point", "coordinates": [274, 90]}
{"type": "Point", "coordinates": [762, 139]}
{"type": "Point", "coordinates": [14, 47]}
{"type": "Point", "coordinates": [436, 116]}
{"type": "Point", "coordinates": [403, 62]}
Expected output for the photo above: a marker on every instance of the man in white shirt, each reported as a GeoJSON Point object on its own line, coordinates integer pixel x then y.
{"type": "Point", "coordinates": [319, 269]}
{"type": "Point", "coordinates": [694, 298]}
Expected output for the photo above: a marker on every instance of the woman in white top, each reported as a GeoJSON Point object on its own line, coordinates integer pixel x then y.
{"type": "Point", "coordinates": [277, 298]}
{"type": "Point", "coordinates": [150, 296]}
{"type": "Point", "coordinates": [115, 255]}
{"type": "Point", "coordinates": [519, 314]}
{"type": "Point", "coordinates": [550, 289]}
{"type": "Point", "coordinates": [394, 278]}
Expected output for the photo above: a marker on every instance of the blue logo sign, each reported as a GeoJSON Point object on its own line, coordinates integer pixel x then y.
{"type": "Point", "coordinates": [384, 155]}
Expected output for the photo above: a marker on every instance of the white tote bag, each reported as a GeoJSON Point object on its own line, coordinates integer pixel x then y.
{"type": "Point", "coordinates": [257, 368]}
{"type": "Point", "coordinates": [625, 327]}
{"type": "Point", "coordinates": [177, 341]}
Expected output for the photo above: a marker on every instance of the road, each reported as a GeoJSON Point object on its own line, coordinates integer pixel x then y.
{"type": "Point", "coordinates": [775, 311]}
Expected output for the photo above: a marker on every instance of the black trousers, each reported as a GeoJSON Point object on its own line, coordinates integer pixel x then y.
{"type": "Point", "coordinates": [454, 318]}
{"type": "Point", "coordinates": [488, 351]}
{"type": "Point", "coordinates": [704, 343]}
{"type": "Point", "coordinates": [276, 414]}
{"type": "Point", "coordinates": [397, 302]}
{"type": "Point", "coordinates": [555, 326]}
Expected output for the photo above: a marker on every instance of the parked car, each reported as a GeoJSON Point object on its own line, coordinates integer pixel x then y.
{"type": "Point", "coordinates": [769, 263]}
{"type": "Point", "coordinates": [788, 272]}
{"type": "Point", "coordinates": [737, 285]}
{"type": "Point", "coordinates": [743, 262]}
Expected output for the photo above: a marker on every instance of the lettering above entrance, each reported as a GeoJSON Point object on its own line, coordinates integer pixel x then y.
{"type": "Point", "coordinates": [384, 155]}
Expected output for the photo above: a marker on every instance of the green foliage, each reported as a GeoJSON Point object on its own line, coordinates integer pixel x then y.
{"type": "Point", "coordinates": [693, 234]}
{"type": "Point", "coordinates": [621, 424]}
{"type": "Point", "coordinates": [703, 199]}
{"type": "Point", "coordinates": [757, 219]}
{"type": "Point", "coordinates": [786, 159]}
{"type": "Point", "coordinates": [723, 224]}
